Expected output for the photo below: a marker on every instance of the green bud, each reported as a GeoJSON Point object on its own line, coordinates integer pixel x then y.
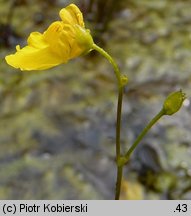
{"type": "Point", "coordinates": [173, 102]}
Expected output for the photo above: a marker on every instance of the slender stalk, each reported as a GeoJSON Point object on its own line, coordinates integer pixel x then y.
{"type": "Point", "coordinates": [118, 183]}
{"type": "Point", "coordinates": [118, 123]}
{"type": "Point", "coordinates": [118, 143]}
{"type": "Point", "coordinates": [110, 59]}
{"type": "Point", "coordinates": [142, 134]}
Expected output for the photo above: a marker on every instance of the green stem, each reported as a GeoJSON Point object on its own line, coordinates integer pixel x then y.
{"type": "Point", "coordinates": [118, 143]}
{"type": "Point", "coordinates": [142, 134]}
{"type": "Point", "coordinates": [122, 80]}
{"type": "Point", "coordinates": [118, 123]}
{"type": "Point", "coordinates": [118, 183]}
{"type": "Point", "coordinates": [110, 59]}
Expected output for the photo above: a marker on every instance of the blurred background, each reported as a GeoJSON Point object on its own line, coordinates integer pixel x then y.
{"type": "Point", "coordinates": [57, 127]}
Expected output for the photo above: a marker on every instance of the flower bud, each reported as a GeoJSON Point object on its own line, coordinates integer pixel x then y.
{"type": "Point", "coordinates": [173, 102]}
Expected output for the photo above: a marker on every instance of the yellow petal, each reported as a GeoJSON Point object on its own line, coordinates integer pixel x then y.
{"type": "Point", "coordinates": [36, 40]}
{"type": "Point", "coordinates": [30, 58]}
{"type": "Point", "coordinates": [72, 15]}
{"type": "Point", "coordinates": [79, 39]}
{"type": "Point", "coordinates": [62, 40]}
{"type": "Point", "coordinates": [18, 47]}
{"type": "Point", "coordinates": [69, 38]}
{"type": "Point", "coordinates": [58, 39]}
{"type": "Point", "coordinates": [52, 33]}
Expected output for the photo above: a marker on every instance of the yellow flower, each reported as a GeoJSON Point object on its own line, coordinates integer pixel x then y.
{"type": "Point", "coordinates": [62, 41]}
